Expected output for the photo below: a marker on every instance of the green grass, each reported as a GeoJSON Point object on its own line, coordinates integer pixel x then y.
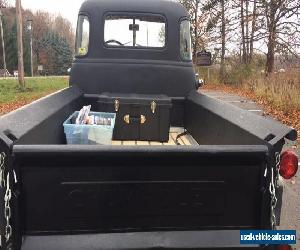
{"type": "Point", "coordinates": [11, 92]}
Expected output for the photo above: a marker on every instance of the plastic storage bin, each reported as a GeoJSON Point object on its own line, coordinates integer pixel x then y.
{"type": "Point", "coordinates": [89, 134]}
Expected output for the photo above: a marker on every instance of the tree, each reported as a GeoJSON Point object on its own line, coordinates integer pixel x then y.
{"type": "Point", "coordinates": [198, 20]}
{"type": "Point", "coordinates": [41, 22]}
{"type": "Point", "coordinates": [3, 3]}
{"type": "Point", "coordinates": [254, 29]}
{"type": "Point", "coordinates": [11, 47]}
{"type": "Point", "coordinates": [248, 28]}
{"type": "Point", "coordinates": [56, 58]}
{"type": "Point", "coordinates": [46, 29]}
{"type": "Point", "coordinates": [244, 51]}
{"type": "Point", "coordinates": [56, 55]}
{"type": "Point", "coordinates": [64, 29]}
{"type": "Point", "coordinates": [223, 37]}
{"type": "Point", "coordinates": [219, 25]}
{"type": "Point", "coordinates": [282, 28]}
{"type": "Point", "coordinates": [3, 44]}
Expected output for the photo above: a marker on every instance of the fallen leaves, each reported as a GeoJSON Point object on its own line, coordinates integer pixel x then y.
{"type": "Point", "coordinates": [10, 106]}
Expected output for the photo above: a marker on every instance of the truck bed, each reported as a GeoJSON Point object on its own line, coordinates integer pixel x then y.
{"type": "Point", "coordinates": [219, 184]}
{"type": "Point", "coordinates": [208, 122]}
{"type": "Point", "coordinates": [185, 140]}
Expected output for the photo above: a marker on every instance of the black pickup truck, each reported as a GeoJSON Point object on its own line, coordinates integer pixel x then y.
{"type": "Point", "coordinates": [217, 174]}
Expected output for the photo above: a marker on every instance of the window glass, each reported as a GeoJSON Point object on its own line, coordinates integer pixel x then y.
{"type": "Point", "coordinates": [185, 41]}
{"type": "Point", "coordinates": [130, 31]}
{"type": "Point", "coordinates": [82, 36]}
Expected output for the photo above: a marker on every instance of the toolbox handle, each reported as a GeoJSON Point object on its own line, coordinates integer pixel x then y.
{"type": "Point", "coordinates": [140, 119]}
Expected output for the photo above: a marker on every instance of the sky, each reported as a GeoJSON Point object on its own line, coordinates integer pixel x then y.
{"type": "Point", "coordinates": [66, 8]}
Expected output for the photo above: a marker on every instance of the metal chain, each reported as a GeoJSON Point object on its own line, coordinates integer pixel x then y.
{"type": "Point", "coordinates": [272, 188]}
{"type": "Point", "coordinates": [7, 199]}
{"type": "Point", "coordinates": [2, 169]}
{"type": "Point", "coordinates": [273, 200]}
{"type": "Point", "coordinates": [7, 209]}
{"type": "Point", "coordinates": [2, 177]}
{"type": "Point", "coordinates": [277, 155]}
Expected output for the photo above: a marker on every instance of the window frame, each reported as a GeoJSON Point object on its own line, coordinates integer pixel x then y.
{"type": "Point", "coordinates": [89, 45]}
{"type": "Point", "coordinates": [131, 15]}
{"type": "Point", "coordinates": [179, 27]}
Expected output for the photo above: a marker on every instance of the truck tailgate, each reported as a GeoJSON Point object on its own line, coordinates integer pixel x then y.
{"type": "Point", "coordinates": [74, 189]}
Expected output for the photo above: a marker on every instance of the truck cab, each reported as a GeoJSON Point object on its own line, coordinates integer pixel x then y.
{"type": "Point", "coordinates": [141, 47]}
{"type": "Point", "coordinates": [217, 174]}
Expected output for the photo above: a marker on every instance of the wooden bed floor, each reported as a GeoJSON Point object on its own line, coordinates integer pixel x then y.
{"type": "Point", "coordinates": [186, 140]}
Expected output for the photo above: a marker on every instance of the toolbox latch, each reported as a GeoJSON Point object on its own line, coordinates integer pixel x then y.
{"type": "Point", "coordinates": [117, 105]}
{"type": "Point", "coordinates": [153, 107]}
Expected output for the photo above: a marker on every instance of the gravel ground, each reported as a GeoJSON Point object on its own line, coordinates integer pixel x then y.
{"type": "Point", "coordinates": [290, 213]}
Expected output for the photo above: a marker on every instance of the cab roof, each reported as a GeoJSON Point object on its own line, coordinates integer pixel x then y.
{"type": "Point", "coordinates": [172, 11]}
{"type": "Point", "coordinates": [166, 7]}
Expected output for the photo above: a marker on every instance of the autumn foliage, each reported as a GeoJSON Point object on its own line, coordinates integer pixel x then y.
{"type": "Point", "coordinates": [52, 37]}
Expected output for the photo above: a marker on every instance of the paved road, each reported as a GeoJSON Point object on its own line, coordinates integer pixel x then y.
{"type": "Point", "coordinates": [290, 217]}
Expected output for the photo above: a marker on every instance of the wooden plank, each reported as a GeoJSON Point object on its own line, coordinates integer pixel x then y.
{"type": "Point", "coordinates": [171, 142]}
{"type": "Point", "coordinates": [174, 132]}
{"type": "Point", "coordinates": [181, 141]}
{"type": "Point", "coordinates": [192, 140]}
{"type": "Point", "coordinates": [142, 143]}
{"type": "Point", "coordinates": [129, 143]}
{"type": "Point", "coordinates": [116, 143]}
{"type": "Point", "coordinates": [186, 140]}
{"type": "Point", "coordinates": [155, 143]}
{"type": "Point", "coordinates": [174, 136]}
{"type": "Point", "coordinates": [177, 130]}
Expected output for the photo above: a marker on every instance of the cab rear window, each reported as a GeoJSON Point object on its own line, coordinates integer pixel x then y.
{"type": "Point", "coordinates": [135, 31]}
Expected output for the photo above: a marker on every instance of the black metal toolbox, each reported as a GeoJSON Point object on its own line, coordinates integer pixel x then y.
{"type": "Point", "coordinates": [139, 117]}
